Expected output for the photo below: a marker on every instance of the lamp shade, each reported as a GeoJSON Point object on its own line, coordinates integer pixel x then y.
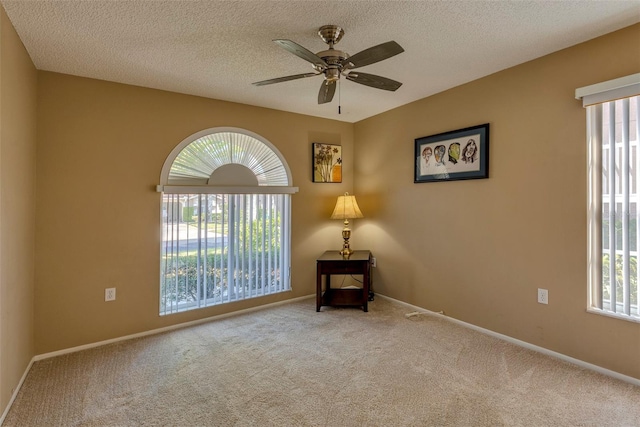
{"type": "Point", "coordinates": [346, 208]}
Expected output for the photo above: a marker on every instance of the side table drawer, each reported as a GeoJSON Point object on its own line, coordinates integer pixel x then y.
{"type": "Point", "coordinates": [339, 267]}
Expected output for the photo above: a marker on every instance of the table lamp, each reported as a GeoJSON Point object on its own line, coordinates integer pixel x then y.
{"type": "Point", "coordinates": [346, 209]}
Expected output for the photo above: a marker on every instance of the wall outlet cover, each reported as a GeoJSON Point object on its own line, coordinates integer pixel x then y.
{"type": "Point", "coordinates": [543, 296]}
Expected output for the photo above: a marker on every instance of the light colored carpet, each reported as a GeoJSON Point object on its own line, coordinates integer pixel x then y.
{"type": "Point", "coordinates": [291, 366]}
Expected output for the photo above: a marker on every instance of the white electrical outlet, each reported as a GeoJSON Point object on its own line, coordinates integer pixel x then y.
{"type": "Point", "coordinates": [110, 294]}
{"type": "Point", "coordinates": [373, 262]}
{"type": "Point", "coordinates": [543, 296]}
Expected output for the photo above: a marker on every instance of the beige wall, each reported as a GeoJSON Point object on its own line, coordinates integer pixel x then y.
{"type": "Point", "coordinates": [480, 249]}
{"type": "Point", "coordinates": [101, 148]}
{"type": "Point", "coordinates": [476, 249]}
{"type": "Point", "coordinates": [17, 207]}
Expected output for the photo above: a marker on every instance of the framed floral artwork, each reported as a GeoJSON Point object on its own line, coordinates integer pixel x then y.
{"type": "Point", "coordinates": [450, 156]}
{"type": "Point", "coordinates": [327, 162]}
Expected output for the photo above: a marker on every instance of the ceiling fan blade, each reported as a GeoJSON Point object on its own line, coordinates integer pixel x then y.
{"type": "Point", "coordinates": [374, 81]}
{"type": "Point", "coordinates": [301, 52]}
{"type": "Point", "coordinates": [284, 79]}
{"type": "Point", "coordinates": [327, 90]}
{"type": "Point", "coordinates": [373, 54]}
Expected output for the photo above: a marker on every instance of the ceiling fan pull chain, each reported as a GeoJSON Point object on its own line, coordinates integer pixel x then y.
{"type": "Point", "coordinates": [339, 96]}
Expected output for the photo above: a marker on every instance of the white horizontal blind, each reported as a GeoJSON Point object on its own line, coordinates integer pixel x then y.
{"type": "Point", "coordinates": [614, 202]}
{"type": "Point", "coordinates": [199, 159]}
{"type": "Point", "coordinates": [218, 248]}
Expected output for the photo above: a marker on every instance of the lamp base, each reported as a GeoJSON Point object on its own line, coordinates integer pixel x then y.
{"type": "Point", "coordinates": [346, 250]}
{"type": "Point", "coordinates": [346, 234]}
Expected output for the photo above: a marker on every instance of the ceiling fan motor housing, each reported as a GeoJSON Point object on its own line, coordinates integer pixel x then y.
{"type": "Point", "coordinates": [334, 59]}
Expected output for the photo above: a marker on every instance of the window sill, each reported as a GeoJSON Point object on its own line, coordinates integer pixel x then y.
{"type": "Point", "coordinates": [614, 315]}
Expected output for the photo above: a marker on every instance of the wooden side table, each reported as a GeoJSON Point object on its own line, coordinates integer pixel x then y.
{"type": "Point", "coordinates": [331, 262]}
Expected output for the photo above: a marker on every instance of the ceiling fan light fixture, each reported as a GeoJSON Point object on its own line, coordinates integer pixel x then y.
{"type": "Point", "coordinates": [332, 74]}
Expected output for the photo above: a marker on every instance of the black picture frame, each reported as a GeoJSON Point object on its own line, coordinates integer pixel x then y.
{"type": "Point", "coordinates": [452, 156]}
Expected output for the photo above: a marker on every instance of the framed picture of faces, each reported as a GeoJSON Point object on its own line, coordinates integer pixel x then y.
{"type": "Point", "coordinates": [454, 155]}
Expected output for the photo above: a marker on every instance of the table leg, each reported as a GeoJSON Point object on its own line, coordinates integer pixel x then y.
{"type": "Point", "coordinates": [366, 281]}
{"type": "Point", "coordinates": [318, 288]}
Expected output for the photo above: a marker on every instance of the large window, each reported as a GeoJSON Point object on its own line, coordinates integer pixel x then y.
{"type": "Point", "coordinates": [613, 120]}
{"type": "Point", "coordinates": [225, 221]}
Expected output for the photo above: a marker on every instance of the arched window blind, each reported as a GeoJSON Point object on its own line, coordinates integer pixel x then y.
{"type": "Point", "coordinates": [198, 160]}
{"type": "Point", "coordinates": [225, 220]}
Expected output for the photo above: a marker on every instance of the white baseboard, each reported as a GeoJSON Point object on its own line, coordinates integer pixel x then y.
{"type": "Point", "coordinates": [15, 392]}
{"type": "Point", "coordinates": [132, 336]}
{"type": "Point", "coordinates": [564, 357]}
{"type": "Point", "coordinates": [165, 329]}
{"type": "Point", "coordinates": [507, 338]}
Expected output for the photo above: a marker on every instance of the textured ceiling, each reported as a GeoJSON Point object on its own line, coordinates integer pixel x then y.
{"type": "Point", "coordinates": [216, 49]}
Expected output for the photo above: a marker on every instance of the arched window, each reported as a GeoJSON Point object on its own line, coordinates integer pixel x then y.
{"type": "Point", "coordinates": [225, 220]}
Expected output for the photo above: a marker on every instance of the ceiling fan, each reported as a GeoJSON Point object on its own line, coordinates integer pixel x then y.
{"type": "Point", "coordinates": [333, 63]}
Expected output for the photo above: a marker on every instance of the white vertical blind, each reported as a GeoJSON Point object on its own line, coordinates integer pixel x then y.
{"type": "Point", "coordinates": [219, 248]}
{"type": "Point", "coordinates": [614, 202]}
